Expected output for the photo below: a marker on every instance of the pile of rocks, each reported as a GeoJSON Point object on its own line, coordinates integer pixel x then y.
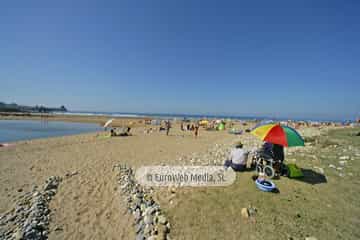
{"type": "Point", "coordinates": [218, 153]}
{"type": "Point", "coordinates": [30, 217]}
{"type": "Point", "coordinates": [213, 156]}
{"type": "Point", "coordinates": [149, 221]}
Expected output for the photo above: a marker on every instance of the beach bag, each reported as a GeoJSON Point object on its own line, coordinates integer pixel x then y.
{"type": "Point", "coordinates": [294, 171]}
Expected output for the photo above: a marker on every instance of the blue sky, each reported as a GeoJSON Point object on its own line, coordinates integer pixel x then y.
{"type": "Point", "coordinates": [274, 58]}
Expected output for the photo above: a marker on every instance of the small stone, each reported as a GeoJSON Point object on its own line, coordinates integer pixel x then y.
{"type": "Point", "coordinates": [344, 158]}
{"type": "Point", "coordinates": [162, 219]}
{"type": "Point", "coordinates": [320, 170]}
{"type": "Point", "coordinates": [139, 227]}
{"type": "Point", "coordinates": [137, 215]}
{"type": "Point", "coordinates": [148, 229]}
{"type": "Point", "coordinates": [36, 194]}
{"type": "Point", "coordinates": [148, 219]}
{"type": "Point", "coordinates": [244, 213]}
{"type": "Point", "coordinates": [252, 211]}
{"type": "Point", "coordinates": [342, 163]}
{"type": "Point", "coordinates": [18, 235]}
{"type": "Point", "coordinates": [310, 238]}
{"type": "Point", "coordinates": [139, 236]}
{"type": "Point", "coordinates": [161, 231]}
{"type": "Point", "coordinates": [20, 190]}
{"type": "Point", "coordinates": [173, 190]}
{"type": "Point", "coordinates": [58, 229]}
{"type": "Point", "coordinates": [12, 218]}
{"type": "Point", "coordinates": [149, 210]}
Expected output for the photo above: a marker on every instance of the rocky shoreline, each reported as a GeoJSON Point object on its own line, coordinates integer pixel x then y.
{"type": "Point", "coordinates": [149, 221]}
{"type": "Point", "coordinates": [30, 217]}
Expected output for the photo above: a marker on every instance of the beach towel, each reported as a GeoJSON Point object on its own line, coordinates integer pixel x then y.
{"type": "Point", "coordinates": [294, 171]}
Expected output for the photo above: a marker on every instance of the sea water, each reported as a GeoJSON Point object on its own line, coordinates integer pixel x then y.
{"type": "Point", "coordinates": [15, 130]}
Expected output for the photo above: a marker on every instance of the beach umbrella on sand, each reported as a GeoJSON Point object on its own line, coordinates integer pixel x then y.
{"type": "Point", "coordinates": [263, 122]}
{"type": "Point", "coordinates": [108, 123]}
{"type": "Point", "coordinates": [279, 134]}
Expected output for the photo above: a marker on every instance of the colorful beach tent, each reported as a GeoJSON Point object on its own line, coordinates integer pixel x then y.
{"type": "Point", "coordinates": [221, 126]}
{"type": "Point", "coordinates": [203, 122]}
{"type": "Point", "coordinates": [279, 134]}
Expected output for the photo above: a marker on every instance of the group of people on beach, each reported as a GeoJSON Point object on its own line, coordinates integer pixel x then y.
{"type": "Point", "coordinates": [191, 127]}
{"type": "Point", "coordinates": [166, 126]}
{"type": "Point", "coordinates": [123, 132]}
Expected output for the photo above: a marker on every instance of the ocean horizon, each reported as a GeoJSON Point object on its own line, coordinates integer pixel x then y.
{"type": "Point", "coordinates": [200, 116]}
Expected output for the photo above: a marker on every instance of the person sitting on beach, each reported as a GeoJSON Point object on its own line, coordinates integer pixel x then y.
{"type": "Point", "coordinates": [279, 157]}
{"type": "Point", "coordinates": [112, 132]}
{"type": "Point", "coordinates": [266, 150]}
{"type": "Point", "coordinates": [124, 132]}
{"type": "Point", "coordinates": [237, 158]}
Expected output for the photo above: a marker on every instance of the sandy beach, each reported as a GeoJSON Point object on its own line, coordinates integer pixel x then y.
{"type": "Point", "coordinates": [89, 204]}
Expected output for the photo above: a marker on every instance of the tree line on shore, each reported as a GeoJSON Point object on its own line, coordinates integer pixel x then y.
{"type": "Point", "coordinates": [13, 107]}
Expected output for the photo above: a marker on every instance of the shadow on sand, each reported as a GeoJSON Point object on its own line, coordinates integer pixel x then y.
{"type": "Point", "coordinates": [312, 177]}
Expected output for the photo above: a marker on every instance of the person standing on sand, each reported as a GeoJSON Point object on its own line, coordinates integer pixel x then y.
{"type": "Point", "coordinates": [182, 126]}
{"type": "Point", "coordinates": [168, 126]}
{"type": "Point", "coordinates": [196, 130]}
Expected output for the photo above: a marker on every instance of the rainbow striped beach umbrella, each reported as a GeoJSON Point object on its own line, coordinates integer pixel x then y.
{"type": "Point", "coordinates": [279, 134]}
